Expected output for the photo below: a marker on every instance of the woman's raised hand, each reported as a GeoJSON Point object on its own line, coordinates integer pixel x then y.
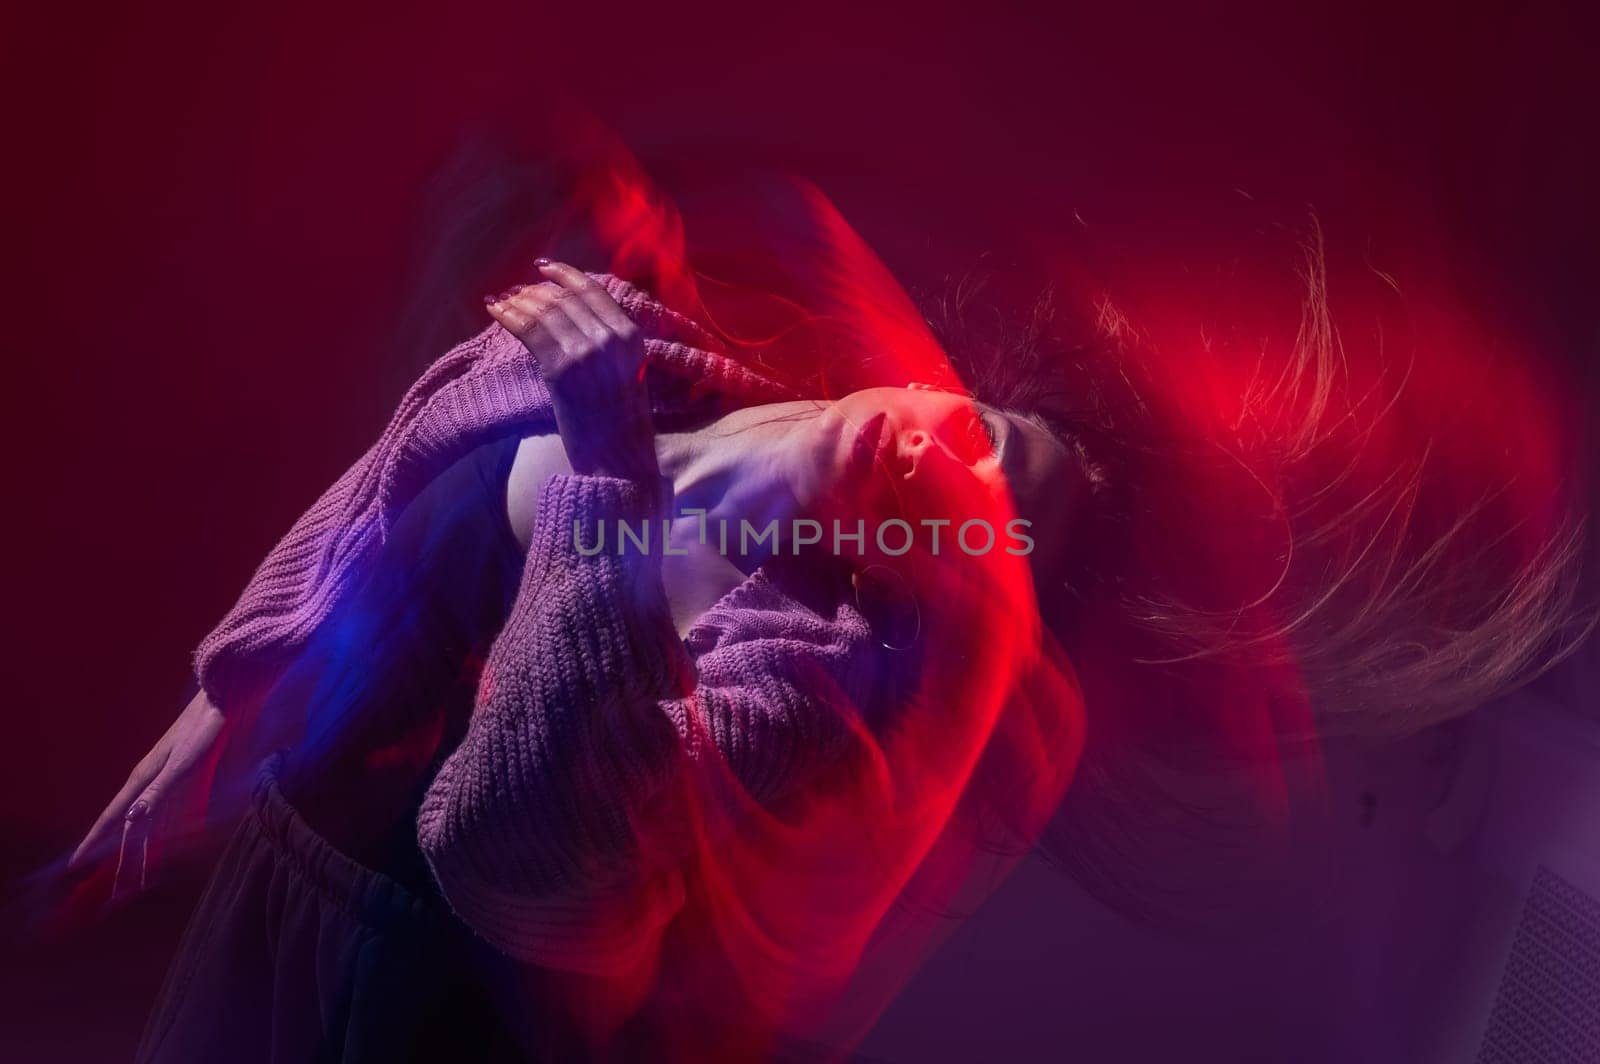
{"type": "Point", "coordinates": [591, 356]}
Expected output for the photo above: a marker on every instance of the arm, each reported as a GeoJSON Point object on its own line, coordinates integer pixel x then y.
{"type": "Point", "coordinates": [554, 828]}
{"type": "Point", "coordinates": [391, 643]}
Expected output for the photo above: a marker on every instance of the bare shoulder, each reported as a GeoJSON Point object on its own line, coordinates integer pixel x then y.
{"type": "Point", "coordinates": [538, 457]}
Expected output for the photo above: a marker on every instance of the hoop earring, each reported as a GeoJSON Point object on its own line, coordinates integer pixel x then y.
{"type": "Point", "coordinates": [876, 594]}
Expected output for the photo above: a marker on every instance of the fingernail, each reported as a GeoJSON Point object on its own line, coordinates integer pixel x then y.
{"type": "Point", "coordinates": [541, 262]}
{"type": "Point", "coordinates": [489, 300]}
{"type": "Point", "coordinates": [509, 292]}
{"type": "Point", "coordinates": [138, 810]}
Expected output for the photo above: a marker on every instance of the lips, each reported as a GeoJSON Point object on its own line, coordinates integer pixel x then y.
{"type": "Point", "coordinates": [869, 443]}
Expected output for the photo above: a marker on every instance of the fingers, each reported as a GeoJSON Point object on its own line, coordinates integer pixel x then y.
{"type": "Point", "coordinates": [585, 338]}
{"type": "Point", "coordinates": [138, 828]}
{"type": "Point", "coordinates": [133, 858]}
{"type": "Point", "coordinates": [590, 307]}
{"type": "Point", "coordinates": [564, 340]}
{"type": "Point", "coordinates": [567, 320]}
{"type": "Point", "coordinates": [592, 295]}
{"type": "Point", "coordinates": [110, 821]}
{"type": "Point", "coordinates": [594, 303]}
{"type": "Point", "coordinates": [584, 319]}
{"type": "Point", "coordinates": [520, 312]}
{"type": "Point", "coordinates": [191, 738]}
{"type": "Point", "coordinates": [518, 309]}
{"type": "Point", "coordinates": [150, 799]}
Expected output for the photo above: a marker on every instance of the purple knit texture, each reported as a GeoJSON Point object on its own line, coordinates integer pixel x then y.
{"type": "Point", "coordinates": [484, 387]}
{"type": "Point", "coordinates": [537, 825]}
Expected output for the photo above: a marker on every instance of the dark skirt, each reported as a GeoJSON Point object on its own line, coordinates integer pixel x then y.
{"type": "Point", "coordinates": [297, 953]}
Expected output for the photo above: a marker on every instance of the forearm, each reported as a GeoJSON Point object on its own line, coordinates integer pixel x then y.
{"type": "Point", "coordinates": [560, 823]}
{"type": "Point", "coordinates": [568, 740]}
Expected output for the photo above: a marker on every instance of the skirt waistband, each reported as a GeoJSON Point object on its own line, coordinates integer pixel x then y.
{"type": "Point", "coordinates": [366, 895]}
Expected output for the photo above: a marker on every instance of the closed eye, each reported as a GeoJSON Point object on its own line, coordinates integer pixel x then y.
{"type": "Point", "coordinates": [989, 430]}
{"type": "Point", "coordinates": [974, 436]}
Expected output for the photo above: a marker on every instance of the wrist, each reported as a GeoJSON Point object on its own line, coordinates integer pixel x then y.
{"type": "Point", "coordinates": [609, 443]}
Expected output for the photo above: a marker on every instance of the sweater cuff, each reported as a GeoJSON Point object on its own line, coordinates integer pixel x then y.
{"type": "Point", "coordinates": [584, 516]}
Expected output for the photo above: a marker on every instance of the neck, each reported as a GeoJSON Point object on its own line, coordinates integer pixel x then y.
{"type": "Point", "coordinates": [746, 465]}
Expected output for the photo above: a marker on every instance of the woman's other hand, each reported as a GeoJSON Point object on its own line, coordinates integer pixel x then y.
{"type": "Point", "coordinates": [591, 356]}
{"type": "Point", "coordinates": [160, 786]}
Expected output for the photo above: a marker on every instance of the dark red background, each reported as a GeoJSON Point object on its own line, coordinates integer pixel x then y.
{"type": "Point", "coordinates": [217, 221]}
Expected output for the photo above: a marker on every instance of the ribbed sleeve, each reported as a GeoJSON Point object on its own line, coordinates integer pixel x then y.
{"type": "Point", "coordinates": [551, 829]}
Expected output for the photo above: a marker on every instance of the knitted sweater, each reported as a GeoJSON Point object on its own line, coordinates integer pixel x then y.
{"type": "Point", "coordinates": [484, 387]}
{"type": "Point", "coordinates": [555, 827]}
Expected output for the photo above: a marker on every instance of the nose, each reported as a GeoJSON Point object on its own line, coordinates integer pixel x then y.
{"type": "Point", "coordinates": [916, 450]}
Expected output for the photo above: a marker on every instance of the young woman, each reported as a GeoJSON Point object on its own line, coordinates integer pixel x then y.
{"type": "Point", "coordinates": [604, 675]}
{"type": "Point", "coordinates": [549, 791]}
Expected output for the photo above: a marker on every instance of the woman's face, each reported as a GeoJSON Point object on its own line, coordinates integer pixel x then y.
{"type": "Point", "coordinates": [921, 454]}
